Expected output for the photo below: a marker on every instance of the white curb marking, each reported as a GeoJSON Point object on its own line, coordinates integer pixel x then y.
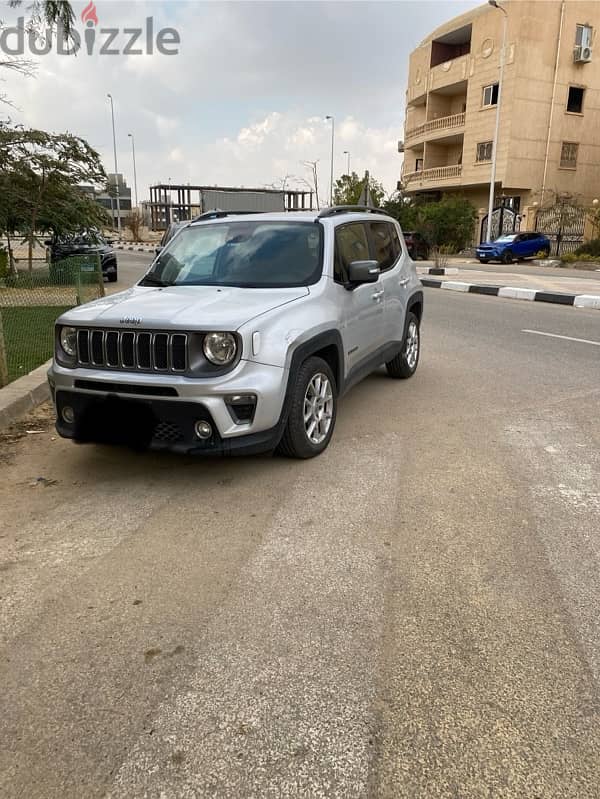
{"type": "Point", "coordinates": [587, 301]}
{"type": "Point", "coordinates": [566, 338]}
{"type": "Point", "coordinates": [517, 293]}
{"type": "Point", "coordinates": [454, 285]}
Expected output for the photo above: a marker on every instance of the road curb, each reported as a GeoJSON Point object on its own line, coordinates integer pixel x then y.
{"type": "Point", "coordinates": [517, 293]}
{"type": "Point", "coordinates": [436, 270]}
{"type": "Point", "coordinates": [23, 395]}
{"type": "Point", "coordinates": [135, 248]}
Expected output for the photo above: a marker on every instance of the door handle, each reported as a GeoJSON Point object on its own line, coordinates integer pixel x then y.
{"type": "Point", "coordinates": [404, 281]}
{"type": "Point", "coordinates": [377, 295]}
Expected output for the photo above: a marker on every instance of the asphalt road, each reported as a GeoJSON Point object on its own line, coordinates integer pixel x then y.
{"type": "Point", "coordinates": [413, 614]}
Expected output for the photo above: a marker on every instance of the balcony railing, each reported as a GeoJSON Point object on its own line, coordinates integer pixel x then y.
{"type": "Point", "coordinates": [443, 123]}
{"type": "Point", "coordinates": [436, 174]}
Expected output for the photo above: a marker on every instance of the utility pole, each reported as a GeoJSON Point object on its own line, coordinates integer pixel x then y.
{"type": "Point", "coordinates": [347, 154]}
{"type": "Point", "coordinates": [332, 151]}
{"type": "Point", "coordinates": [495, 4]}
{"type": "Point", "coordinates": [112, 111]}
{"type": "Point", "coordinates": [134, 169]}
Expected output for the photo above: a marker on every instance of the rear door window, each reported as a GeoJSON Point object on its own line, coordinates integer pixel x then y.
{"type": "Point", "coordinates": [385, 243]}
{"type": "Point", "coordinates": [351, 244]}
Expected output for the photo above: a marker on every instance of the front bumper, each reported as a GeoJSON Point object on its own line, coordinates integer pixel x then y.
{"type": "Point", "coordinates": [129, 408]}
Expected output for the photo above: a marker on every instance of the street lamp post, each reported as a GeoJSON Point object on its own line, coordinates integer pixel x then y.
{"type": "Point", "coordinates": [495, 4]}
{"type": "Point", "coordinates": [134, 169]}
{"type": "Point", "coordinates": [112, 111]}
{"type": "Point", "coordinates": [347, 154]}
{"type": "Point", "coordinates": [332, 146]}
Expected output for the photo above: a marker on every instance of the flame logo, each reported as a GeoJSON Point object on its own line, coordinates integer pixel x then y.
{"type": "Point", "coordinates": [89, 13]}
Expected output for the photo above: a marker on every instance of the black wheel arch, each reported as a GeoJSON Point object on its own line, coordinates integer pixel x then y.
{"type": "Point", "coordinates": [415, 304]}
{"type": "Point", "coordinates": [326, 345]}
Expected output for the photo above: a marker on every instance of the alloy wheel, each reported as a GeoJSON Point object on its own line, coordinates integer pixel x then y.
{"type": "Point", "coordinates": [318, 408]}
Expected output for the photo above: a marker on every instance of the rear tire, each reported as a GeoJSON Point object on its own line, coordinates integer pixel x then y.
{"type": "Point", "coordinates": [312, 411]}
{"type": "Point", "coordinates": [112, 277]}
{"type": "Point", "coordinates": [404, 365]}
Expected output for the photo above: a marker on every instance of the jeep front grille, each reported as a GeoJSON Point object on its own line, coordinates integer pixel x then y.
{"type": "Point", "coordinates": [132, 350]}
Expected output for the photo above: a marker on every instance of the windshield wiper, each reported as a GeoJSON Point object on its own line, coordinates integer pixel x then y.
{"type": "Point", "coordinates": [150, 280]}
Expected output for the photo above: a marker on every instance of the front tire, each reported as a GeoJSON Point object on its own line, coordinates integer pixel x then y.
{"type": "Point", "coordinates": [112, 277]}
{"type": "Point", "coordinates": [483, 260]}
{"type": "Point", "coordinates": [404, 365]}
{"type": "Point", "coordinates": [507, 257]}
{"type": "Point", "coordinates": [312, 411]}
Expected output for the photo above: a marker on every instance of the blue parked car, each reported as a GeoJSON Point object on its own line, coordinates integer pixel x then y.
{"type": "Point", "coordinates": [514, 247]}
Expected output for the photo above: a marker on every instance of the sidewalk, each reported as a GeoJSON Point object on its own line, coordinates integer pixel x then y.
{"type": "Point", "coordinates": [563, 289]}
{"type": "Point", "coordinates": [564, 283]}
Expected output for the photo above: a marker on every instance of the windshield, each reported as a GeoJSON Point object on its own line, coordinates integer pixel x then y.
{"type": "Point", "coordinates": [89, 239]}
{"type": "Point", "coordinates": [246, 254]}
{"type": "Point", "coordinates": [507, 238]}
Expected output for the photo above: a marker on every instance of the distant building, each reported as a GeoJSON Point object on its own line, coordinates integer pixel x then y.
{"type": "Point", "coordinates": [108, 197]}
{"type": "Point", "coordinates": [549, 140]}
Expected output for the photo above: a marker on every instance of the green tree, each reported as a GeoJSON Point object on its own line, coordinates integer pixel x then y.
{"type": "Point", "coordinates": [447, 223]}
{"type": "Point", "coordinates": [403, 209]}
{"type": "Point", "coordinates": [348, 188]}
{"type": "Point", "coordinates": [40, 173]}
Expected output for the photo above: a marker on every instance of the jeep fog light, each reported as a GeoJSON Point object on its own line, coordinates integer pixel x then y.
{"type": "Point", "coordinates": [202, 429]}
{"type": "Point", "coordinates": [68, 414]}
{"type": "Point", "coordinates": [220, 348]}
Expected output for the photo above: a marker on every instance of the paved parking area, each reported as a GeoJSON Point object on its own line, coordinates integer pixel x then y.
{"type": "Point", "coordinates": [413, 614]}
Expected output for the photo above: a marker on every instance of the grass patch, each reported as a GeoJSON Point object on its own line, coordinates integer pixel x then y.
{"type": "Point", "coordinates": [29, 336]}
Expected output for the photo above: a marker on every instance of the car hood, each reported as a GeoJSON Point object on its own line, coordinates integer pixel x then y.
{"type": "Point", "coordinates": [84, 249]}
{"type": "Point", "coordinates": [182, 307]}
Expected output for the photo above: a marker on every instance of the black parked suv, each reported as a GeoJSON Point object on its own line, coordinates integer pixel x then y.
{"type": "Point", "coordinates": [88, 243]}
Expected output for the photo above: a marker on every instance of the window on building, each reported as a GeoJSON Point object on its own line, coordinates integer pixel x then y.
{"type": "Point", "coordinates": [490, 94]}
{"type": "Point", "coordinates": [583, 35]}
{"type": "Point", "coordinates": [575, 99]}
{"type": "Point", "coordinates": [484, 151]}
{"type": "Point", "coordinates": [419, 165]}
{"type": "Point", "coordinates": [568, 155]}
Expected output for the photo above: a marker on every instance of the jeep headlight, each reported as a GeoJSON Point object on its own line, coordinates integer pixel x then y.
{"type": "Point", "coordinates": [220, 348]}
{"type": "Point", "coordinates": [68, 341]}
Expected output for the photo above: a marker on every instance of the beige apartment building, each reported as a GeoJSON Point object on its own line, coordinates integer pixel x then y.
{"type": "Point", "coordinates": [549, 136]}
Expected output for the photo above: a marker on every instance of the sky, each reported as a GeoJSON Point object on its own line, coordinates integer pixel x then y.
{"type": "Point", "coordinates": [244, 101]}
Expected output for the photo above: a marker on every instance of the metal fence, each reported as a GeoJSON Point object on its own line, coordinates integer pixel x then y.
{"type": "Point", "coordinates": [31, 302]}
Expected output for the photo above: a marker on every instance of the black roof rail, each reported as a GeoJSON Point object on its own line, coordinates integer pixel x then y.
{"type": "Point", "coordinates": [343, 209]}
{"type": "Point", "coordinates": [221, 214]}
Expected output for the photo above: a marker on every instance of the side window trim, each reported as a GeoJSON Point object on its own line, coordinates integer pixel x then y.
{"type": "Point", "coordinates": [336, 253]}
{"type": "Point", "coordinates": [372, 247]}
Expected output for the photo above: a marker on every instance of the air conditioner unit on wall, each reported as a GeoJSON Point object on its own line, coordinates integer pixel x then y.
{"type": "Point", "coordinates": [582, 54]}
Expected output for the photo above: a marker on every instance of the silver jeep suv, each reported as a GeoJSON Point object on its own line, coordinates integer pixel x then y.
{"type": "Point", "coordinates": [242, 336]}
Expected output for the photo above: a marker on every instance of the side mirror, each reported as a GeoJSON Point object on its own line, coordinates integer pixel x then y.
{"type": "Point", "coordinates": [110, 242]}
{"type": "Point", "coordinates": [363, 272]}
{"type": "Point", "coordinates": [158, 250]}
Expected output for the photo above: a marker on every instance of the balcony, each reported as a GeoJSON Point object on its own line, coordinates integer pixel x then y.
{"type": "Point", "coordinates": [436, 125]}
{"type": "Point", "coordinates": [435, 175]}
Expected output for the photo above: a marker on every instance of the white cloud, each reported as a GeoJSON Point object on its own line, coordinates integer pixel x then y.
{"type": "Point", "coordinates": [244, 101]}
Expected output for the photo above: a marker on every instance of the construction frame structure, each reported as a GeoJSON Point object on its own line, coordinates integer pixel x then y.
{"type": "Point", "coordinates": [182, 202]}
